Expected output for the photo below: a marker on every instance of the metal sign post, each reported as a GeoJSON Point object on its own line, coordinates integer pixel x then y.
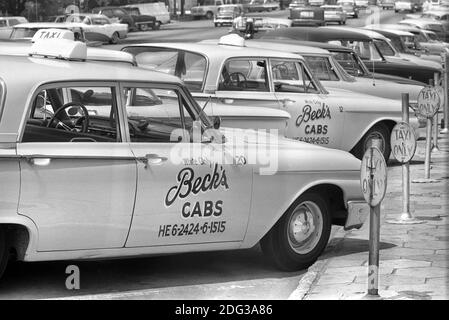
{"type": "Point", "coordinates": [373, 181]}
{"type": "Point", "coordinates": [403, 147]}
{"type": "Point", "coordinates": [436, 81]}
{"type": "Point", "coordinates": [445, 57]}
{"type": "Point", "coordinates": [428, 104]}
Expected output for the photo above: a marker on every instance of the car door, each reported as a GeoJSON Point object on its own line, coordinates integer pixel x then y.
{"type": "Point", "coordinates": [315, 117]}
{"type": "Point", "coordinates": [244, 82]}
{"type": "Point", "coordinates": [184, 195]}
{"type": "Point", "coordinates": [78, 180]}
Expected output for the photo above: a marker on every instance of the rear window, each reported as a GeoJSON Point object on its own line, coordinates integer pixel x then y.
{"type": "Point", "coordinates": [23, 33]}
{"type": "Point", "coordinates": [189, 66]}
{"type": "Point", "coordinates": [2, 23]}
{"type": "Point", "coordinates": [321, 68]}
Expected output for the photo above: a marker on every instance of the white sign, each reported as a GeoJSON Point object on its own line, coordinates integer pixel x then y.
{"type": "Point", "coordinates": [403, 142]}
{"type": "Point", "coordinates": [373, 176]}
{"type": "Point", "coordinates": [429, 102]}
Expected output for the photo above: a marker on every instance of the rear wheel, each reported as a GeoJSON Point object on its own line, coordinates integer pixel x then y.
{"type": "Point", "coordinates": [4, 254]}
{"type": "Point", "coordinates": [300, 236]}
{"type": "Point", "coordinates": [143, 27]}
{"type": "Point", "coordinates": [209, 15]}
{"type": "Point", "coordinates": [114, 39]}
{"type": "Point", "coordinates": [156, 25]}
{"type": "Point", "coordinates": [381, 132]}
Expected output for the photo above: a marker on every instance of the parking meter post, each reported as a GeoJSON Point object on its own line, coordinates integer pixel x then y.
{"type": "Point", "coordinates": [435, 148]}
{"type": "Point", "coordinates": [405, 166]}
{"type": "Point", "coordinates": [445, 90]}
{"type": "Point", "coordinates": [373, 258]}
{"type": "Point", "coordinates": [428, 149]}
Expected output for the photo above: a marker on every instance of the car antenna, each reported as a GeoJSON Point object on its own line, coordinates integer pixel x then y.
{"type": "Point", "coordinates": [374, 70]}
{"type": "Point", "coordinates": [208, 100]}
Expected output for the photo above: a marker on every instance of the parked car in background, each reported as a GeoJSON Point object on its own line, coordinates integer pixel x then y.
{"type": "Point", "coordinates": [131, 16]}
{"type": "Point", "coordinates": [227, 13]}
{"type": "Point", "coordinates": [255, 6]}
{"type": "Point", "coordinates": [429, 24]}
{"type": "Point", "coordinates": [441, 16]}
{"type": "Point", "coordinates": [238, 75]}
{"type": "Point", "coordinates": [386, 4]}
{"type": "Point", "coordinates": [60, 18]}
{"type": "Point", "coordinates": [26, 31]}
{"type": "Point", "coordinates": [363, 4]}
{"type": "Point", "coordinates": [206, 9]}
{"type": "Point", "coordinates": [426, 39]}
{"type": "Point", "coordinates": [307, 16]}
{"type": "Point", "coordinates": [349, 8]}
{"type": "Point", "coordinates": [407, 5]}
{"type": "Point", "coordinates": [6, 24]}
{"type": "Point", "coordinates": [155, 9]}
{"type": "Point", "coordinates": [405, 43]}
{"type": "Point", "coordinates": [332, 75]}
{"type": "Point", "coordinates": [270, 5]}
{"type": "Point", "coordinates": [363, 45]}
{"type": "Point", "coordinates": [98, 27]}
{"type": "Point", "coordinates": [334, 13]}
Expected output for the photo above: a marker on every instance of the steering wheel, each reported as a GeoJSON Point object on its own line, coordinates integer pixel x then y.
{"type": "Point", "coordinates": [236, 80]}
{"type": "Point", "coordinates": [68, 124]}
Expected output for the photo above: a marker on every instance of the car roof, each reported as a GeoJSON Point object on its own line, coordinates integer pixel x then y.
{"type": "Point", "coordinates": [315, 34]}
{"type": "Point", "coordinates": [91, 15]}
{"type": "Point", "coordinates": [221, 52]}
{"type": "Point", "coordinates": [393, 33]}
{"type": "Point", "coordinates": [12, 17]}
{"type": "Point", "coordinates": [43, 70]}
{"type": "Point", "coordinates": [287, 45]}
{"type": "Point", "coordinates": [370, 33]}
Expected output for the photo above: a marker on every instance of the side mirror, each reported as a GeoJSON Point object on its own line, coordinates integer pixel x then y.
{"type": "Point", "coordinates": [217, 122]}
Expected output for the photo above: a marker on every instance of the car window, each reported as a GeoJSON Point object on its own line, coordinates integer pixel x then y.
{"type": "Point", "coordinates": [290, 76]}
{"type": "Point", "coordinates": [13, 22]}
{"type": "Point", "coordinates": [22, 33]}
{"type": "Point", "coordinates": [384, 48]}
{"type": "Point", "coordinates": [73, 114]}
{"type": "Point", "coordinates": [244, 75]}
{"type": "Point", "coordinates": [3, 23]}
{"type": "Point", "coordinates": [349, 63]}
{"type": "Point", "coordinates": [321, 68]}
{"type": "Point", "coordinates": [189, 66]}
{"type": "Point", "coordinates": [118, 13]}
{"type": "Point", "coordinates": [156, 114]}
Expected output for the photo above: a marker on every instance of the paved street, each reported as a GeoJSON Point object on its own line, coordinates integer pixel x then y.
{"type": "Point", "coordinates": [414, 258]}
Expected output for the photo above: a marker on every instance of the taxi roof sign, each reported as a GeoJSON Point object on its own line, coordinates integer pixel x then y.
{"type": "Point", "coordinates": [232, 40]}
{"type": "Point", "coordinates": [58, 43]}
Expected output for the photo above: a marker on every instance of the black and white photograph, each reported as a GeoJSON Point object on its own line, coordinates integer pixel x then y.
{"type": "Point", "coordinates": [224, 155]}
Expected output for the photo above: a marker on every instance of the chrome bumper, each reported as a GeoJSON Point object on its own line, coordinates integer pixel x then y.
{"type": "Point", "coordinates": [358, 211]}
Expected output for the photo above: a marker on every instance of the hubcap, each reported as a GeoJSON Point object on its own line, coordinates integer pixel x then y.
{"type": "Point", "coordinates": [305, 227]}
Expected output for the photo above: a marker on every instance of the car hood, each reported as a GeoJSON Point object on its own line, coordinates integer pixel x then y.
{"type": "Point", "coordinates": [356, 102]}
{"type": "Point", "coordinates": [292, 155]}
{"type": "Point", "coordinates": [391, 78]}
{"type": "Point", "coordinates": [382, 88]}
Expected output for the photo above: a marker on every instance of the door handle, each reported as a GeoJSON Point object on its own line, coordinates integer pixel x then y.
{"type": "Point", "coordinates": [153, 159]}
{"type": "Point", "coordinates": [285, 101]}
{"type": "Point", "coordinates": [40, 162]}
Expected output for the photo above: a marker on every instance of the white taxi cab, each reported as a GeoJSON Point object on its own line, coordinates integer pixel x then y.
{"type": "Point", "coordinates": [105, 160]}
{"type": "Point", "coordinates": [232, 73]}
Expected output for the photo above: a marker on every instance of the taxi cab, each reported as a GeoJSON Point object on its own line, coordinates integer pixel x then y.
{"type": "Point", "coordinates": [102, 160]}
{"type": "Point", "coordinates": [232, 73]}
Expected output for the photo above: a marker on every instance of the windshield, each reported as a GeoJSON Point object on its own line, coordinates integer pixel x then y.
{"type": "Point", "coordinates": [321, 68]}
{"type": "Point", "coordinates": [350, 63]}
{"type": "Point", "coordinates": [226, 9]}
{"type": "Point", "coordinates": [366, 50]}
{"type": "Point", "coordinates": [189, 66]}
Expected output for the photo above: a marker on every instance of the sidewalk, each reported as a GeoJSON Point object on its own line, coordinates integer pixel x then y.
{"type": "Point", "coordinates": [413, 258]}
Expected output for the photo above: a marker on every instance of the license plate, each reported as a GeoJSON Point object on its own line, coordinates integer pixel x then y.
{"type": "Point", "coordinates": [306, 14]}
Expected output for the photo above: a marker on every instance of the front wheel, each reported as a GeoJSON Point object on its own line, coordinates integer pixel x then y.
{"type": "Point", "coordinates": [144, 27]}
{"type": "Point", "coordinates": [209, 15]}
{"type": "Point", "coordinates": [300, 236]}
{"type": "Point", "coordinates": [4, 254]}
{"type": "Point", "coordinates": [380, 132]}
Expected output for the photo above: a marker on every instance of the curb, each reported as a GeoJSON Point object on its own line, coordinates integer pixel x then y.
{"type": "Point", "coordinates": [315, 270]}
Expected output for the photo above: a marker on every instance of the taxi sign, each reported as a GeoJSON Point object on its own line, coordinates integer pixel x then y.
{"type": "Point", "coordinates": [373, 176]}
{"type": "Point", "coordinates": [58, 43]}
{"type": "Point", "coordinates": [232, 40]}
{"type": "Point", "coordinates": [429, 102]}
{"type": "Point", "coordinates": [403, 142]}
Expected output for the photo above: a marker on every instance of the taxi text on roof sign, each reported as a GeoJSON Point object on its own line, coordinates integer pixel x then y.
{"type": "Point", "coordinates": [58, 43]}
